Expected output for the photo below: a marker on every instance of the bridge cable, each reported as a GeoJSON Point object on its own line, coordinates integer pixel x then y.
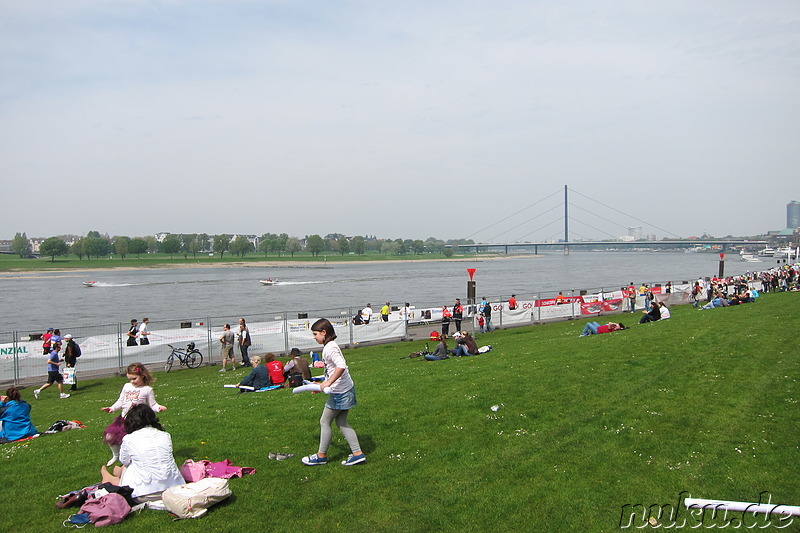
{"type": "Point", "coordinates": [511, 215]}
{"type": "Point", "coordinates": [626, 214]}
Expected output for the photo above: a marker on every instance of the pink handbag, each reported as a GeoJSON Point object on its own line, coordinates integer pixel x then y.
{"type": "Point", "coordinates": [194, 470]}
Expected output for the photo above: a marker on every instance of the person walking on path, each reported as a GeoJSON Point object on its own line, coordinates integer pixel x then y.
{"type": "Point", "coordinates": [144, 335]}
{"type": "Point", "coordinates": [512, 302]}
{"type": "Point", "coordinates": [133, 333]}
{"type": "Point", "coordinates": [366, 313]}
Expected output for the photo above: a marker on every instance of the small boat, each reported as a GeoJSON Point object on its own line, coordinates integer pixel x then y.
{"type": "Point", "coordinates": [90, 283]}
{"type": "Point", "coordinates": [750, 258]}
{"type": "Point", "coordinates": [767, 252]}
{"type": "Point", "coordinates": [269, 281]}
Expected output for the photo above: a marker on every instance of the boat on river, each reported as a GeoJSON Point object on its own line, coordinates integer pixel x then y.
{"type": "Point", "coordinates": [90, 283]}
{"type": "Point", "coordinates": [750, 258]}
{"type": "Point", "coordinates": [767, 252]}
{"type": "Point", "coordinates": [268, 281]}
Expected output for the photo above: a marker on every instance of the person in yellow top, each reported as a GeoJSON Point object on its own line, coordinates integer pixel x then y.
{"type": "Point", "coordinates": [643, 289]}
{"type": "Point", "coordinates": [385, 312]}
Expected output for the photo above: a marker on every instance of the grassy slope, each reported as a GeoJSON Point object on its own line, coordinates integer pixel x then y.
{"type": "Point", "coordinates": [705, 402]}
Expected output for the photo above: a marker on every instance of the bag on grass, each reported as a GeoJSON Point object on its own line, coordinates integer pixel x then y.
{"type": "Point", "coordinates": [106, 510]}
{"type": "Point", "coordinates": [295, 379]}
{"type": "Point", "coordinates": [194, 470]}
{"type": "Point", "coordinates": [69, 376]}
{"type": "Point", "coordinates": [193, 499]}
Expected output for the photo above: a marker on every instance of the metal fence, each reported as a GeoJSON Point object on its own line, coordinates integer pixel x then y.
{"type": "Point", "coordinates": [105, 350]}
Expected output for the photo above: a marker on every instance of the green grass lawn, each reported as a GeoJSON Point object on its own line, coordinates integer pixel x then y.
{"type": "Point", "coordinates": [706, 403]}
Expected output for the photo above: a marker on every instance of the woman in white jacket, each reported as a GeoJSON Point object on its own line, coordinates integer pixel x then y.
{"type": "Point", "coordinates": [146, 455]}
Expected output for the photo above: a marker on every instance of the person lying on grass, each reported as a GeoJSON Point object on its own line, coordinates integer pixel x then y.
{"type": "Point", "coordinates": [593, 328]}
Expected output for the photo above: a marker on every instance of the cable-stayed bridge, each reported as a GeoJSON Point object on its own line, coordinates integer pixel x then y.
{"type": "Point", "coordinates": [629, 235]}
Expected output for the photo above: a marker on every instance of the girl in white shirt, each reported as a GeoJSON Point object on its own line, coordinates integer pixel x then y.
{"type": "Point", "coordinates": [342, 398]}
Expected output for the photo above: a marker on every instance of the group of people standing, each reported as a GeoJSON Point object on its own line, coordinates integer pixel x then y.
{"type": "Point", "coordinates": [241, 338]}
{"type": "Point", "coordinates": [138, 335]}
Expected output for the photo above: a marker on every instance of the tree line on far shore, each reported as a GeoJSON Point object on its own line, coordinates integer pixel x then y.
{"type": "Point", "coordinates": [96, 245]}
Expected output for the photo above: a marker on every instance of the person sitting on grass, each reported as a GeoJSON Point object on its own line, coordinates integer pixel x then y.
{"type": "Point", "coordinates": [257, 378]}
{"type": "Point", "coordinates": [441, 351]}
{"type": "Point", "coordinates": [665, 312]}
{"type": "Point", "coordinates": [593, 328]}
{"type": "Point", "coordinates": [652, 315]}
{"type": "Point", "coordinates": [15, 417]}
{"type": "Point", "coordinates": [465, 345]}
{"type": "Point", "coordinates": [146, 455]}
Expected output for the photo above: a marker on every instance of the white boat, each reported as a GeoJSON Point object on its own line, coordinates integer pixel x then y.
{"type": "Point", "coordinates": [750, 258]}
{"type": "Point", "coordinates": [783, 252]}
{"type": "Point", "coordinates": [767, 252]}
{"type": "Point", "coordinates": [90, 283]}
{"type": "Point", "coordinates": [269, 281]}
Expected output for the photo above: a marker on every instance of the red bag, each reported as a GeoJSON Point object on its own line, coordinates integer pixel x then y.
{"type": "Point", "coordinates": [434, 335]}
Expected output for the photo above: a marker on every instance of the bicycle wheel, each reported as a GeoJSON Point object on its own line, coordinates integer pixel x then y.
{"type": "Point", "coordinates": [168, 364]}
{"type": "Point", "coordinates": [194, 359]}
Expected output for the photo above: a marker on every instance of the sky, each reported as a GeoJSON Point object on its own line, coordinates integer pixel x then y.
{"type": "Point", "coordinates": [416, 119]}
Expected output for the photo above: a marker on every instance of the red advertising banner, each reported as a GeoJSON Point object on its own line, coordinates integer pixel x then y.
{"type": "Point", "coordinates": [594, 308]}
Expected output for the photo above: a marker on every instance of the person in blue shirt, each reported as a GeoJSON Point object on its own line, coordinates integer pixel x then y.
{"type": "Point", "coordinates": [15, 417]}
{"type": "Point", "coordinates": [53, 373]}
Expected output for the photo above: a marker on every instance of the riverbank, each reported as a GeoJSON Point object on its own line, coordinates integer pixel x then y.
{"type": "Point", "coordinates": [87, 266]}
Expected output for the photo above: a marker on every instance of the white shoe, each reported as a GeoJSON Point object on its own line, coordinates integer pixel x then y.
{"type": "Point", "coordinates": [63, 396]}
{"type": "Point", "coordinates": [36, 393]}
{"type": "Point", "coordinates": [223, 370]}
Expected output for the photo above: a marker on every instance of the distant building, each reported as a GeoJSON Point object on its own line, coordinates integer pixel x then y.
{"type": "Point", "coordinates": [793, 215]}
{"type": "Point", "coordinates": [635, 232]}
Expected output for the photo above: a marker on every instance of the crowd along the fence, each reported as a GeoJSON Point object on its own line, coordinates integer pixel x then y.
{"type": "Point", "coordinates": [104, 348]}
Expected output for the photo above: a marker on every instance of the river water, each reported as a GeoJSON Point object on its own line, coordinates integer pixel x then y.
{"type": "Point", "coordinates": [35, 301]}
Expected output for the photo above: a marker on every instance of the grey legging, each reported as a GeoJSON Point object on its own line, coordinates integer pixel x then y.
{"type": "Point", "coordinates": [328, 416]}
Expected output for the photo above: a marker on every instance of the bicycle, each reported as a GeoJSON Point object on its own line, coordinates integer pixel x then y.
{"type": "Point", "coordinates": [190, 357]}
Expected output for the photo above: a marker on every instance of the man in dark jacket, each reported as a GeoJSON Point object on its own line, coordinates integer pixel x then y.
{"type": "Point", "coordinates": [71, 353]}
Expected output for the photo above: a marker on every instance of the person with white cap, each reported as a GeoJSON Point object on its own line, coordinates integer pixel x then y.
{"type": "Point", "coordinates": [71, 353]}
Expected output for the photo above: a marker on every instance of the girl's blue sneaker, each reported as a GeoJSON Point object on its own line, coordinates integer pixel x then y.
{"type": "Point", "coordinates": [314, 459]}
{"type": "Point", "coordinates": [354, 459]}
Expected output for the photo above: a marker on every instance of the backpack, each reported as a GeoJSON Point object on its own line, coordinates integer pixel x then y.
{"type": "Point", "coordinates": [193, 499]}
{"type": "Point", "coordinates": [295, 379]}
{"type": "Point", "coordinates": [76, 350]}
